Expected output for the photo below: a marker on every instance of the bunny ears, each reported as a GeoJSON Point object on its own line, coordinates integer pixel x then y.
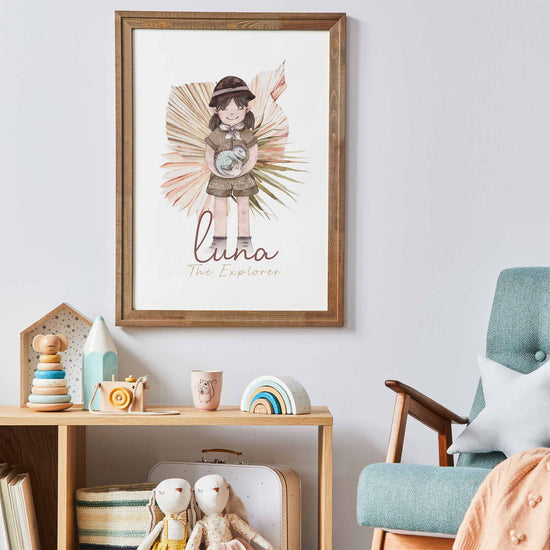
{"type": "Point", "coordinates": [236, 506]}
{"type": "Point", "coordinates": [151, 512]}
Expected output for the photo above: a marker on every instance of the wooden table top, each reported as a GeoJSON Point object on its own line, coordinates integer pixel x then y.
{"type": "Point", "coordinates": [189, 416]}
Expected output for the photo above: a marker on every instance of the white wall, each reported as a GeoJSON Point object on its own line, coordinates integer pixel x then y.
{"type": "Point", "coordinates": [447, 183]}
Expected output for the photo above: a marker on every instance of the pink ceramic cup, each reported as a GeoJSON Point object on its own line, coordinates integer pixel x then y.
{"type": "Point", "coordinates": [206, 388]}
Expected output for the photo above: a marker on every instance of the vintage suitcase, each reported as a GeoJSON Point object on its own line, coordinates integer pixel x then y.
{"type": "Point", "coordinates": [271, 494]}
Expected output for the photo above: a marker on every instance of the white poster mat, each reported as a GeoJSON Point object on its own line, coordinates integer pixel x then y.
{"type": "Point", "coordinates": [164, 236]}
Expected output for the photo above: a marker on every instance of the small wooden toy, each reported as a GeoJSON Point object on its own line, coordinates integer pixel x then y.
{"type": "Point", "coordinates": [275, 395]}
{"type": "Point", "coordinates": [67, 320]}
{"type": "Point", "coordinates": [118, 396]}
{"type": "Point", "coordinates": [49, 387]}
{"type": "Point", "coordinates": [124, 397]}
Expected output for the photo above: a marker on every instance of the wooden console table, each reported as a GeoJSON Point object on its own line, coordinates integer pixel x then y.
{"type": "Point", "coordinates": [52, 448]}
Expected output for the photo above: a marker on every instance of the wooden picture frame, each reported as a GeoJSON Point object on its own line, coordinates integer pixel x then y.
{"type": "Point", "coordinates": [125, 24]}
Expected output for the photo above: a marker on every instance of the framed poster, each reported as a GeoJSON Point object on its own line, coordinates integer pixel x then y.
{"type": "Point", "coordinates": [230, 169]}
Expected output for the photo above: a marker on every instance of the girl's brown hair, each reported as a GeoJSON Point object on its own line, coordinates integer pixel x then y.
{"type": "Point", "coordinates": [222, 103]}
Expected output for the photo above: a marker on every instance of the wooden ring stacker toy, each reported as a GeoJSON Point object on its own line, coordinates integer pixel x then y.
{"type": "Point", "coordinates": [49, 382]}
{"type": "Point", "coordinates": [50, 374]}
{"type": "Point", "coordinates": [262, 406]}
{"type": "Point", "coordinates": [52, 390]}
{"type": "Point", "coordinates": [276, 393]}
{"type": "Point", "coordinates": [50, 358]}
{"type": "Point", "coordinates": [49, 399]}
{"type": "Point", "coordinates": [49, 391]}
{"type": "Point", "coordinates": [49, 407]}
{"type": "Point", "coordinates": [49, 366]}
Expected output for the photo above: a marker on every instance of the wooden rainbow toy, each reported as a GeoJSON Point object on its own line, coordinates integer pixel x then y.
{"type": "Point", "coordinates": [275, 395]}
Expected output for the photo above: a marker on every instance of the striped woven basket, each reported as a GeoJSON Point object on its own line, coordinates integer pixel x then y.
{"type": "Point", "coordinates": [113, 517]}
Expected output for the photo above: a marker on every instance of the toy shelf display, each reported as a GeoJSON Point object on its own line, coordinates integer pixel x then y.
{"type": "Point", "coordinates": [52, 447]}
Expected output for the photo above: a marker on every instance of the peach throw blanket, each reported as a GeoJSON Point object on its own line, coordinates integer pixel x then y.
{"type": "Point", "coordinates": [511, 508]}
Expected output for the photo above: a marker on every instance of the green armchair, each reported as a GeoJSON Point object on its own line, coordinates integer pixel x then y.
{"type": "Point", "coordinates": [421, 507]}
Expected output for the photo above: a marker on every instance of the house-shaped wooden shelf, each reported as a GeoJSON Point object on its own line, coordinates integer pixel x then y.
{"type": "Point", "coordinates": [76, 327]}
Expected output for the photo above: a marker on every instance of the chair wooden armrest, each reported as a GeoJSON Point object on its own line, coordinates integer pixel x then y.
{"type": "Point", "coordinates": [411, 402]}
{"type": "Point", "coordinates": [428, 403]}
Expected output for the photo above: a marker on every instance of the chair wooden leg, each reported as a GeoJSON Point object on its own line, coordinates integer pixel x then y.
{"type": "Point", "coordinates": [398, 425]}
{"type": "Point", "coordinates": [378, 539]}
{"type": "Point", "coordinates": [445, 439]}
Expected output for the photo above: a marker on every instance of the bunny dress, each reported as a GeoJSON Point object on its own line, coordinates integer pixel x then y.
{"type": "Point", "coordinates": [217, 532]}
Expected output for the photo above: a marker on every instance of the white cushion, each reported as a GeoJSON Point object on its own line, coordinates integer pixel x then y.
{"type": "Point", "coordinates": [516, 413]}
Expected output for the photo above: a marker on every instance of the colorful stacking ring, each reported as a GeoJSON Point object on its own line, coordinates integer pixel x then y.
{"type": "Point", "coordinates": [267, 384]}
{"type": "Point", "coordinates": [49, 398]}
{"type": "Point", "coordinates": [49, 407]}
{"type": "Point", "coordinates": [49, 366]}
{"type": "Point", "coordinates": [276, 393]}
{"type": "Point", "coordinates": [51, 390]}
{"type": "Point", "coordinates": [49, 374]}
{"type": "Point", "coordinates": [49, 382]}
{"type": "Point", "coordinates": [50, 358]}
{"type": "Point", "coordinates": [262, 406]}
{"type": "Point", "coordinates": [271, 398]}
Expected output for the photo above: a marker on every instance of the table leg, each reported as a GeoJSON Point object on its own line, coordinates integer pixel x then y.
{"type": "Point", "coordinates": [71, 473]}
{"type": "Point", "coordinates": [325, 487]}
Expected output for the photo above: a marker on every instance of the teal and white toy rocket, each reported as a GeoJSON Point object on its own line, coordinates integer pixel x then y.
{"type": "Point", "coordinates": [99, 361]}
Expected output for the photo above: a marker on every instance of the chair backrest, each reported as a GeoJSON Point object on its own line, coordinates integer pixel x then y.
{"type": "Point", "coordinates": [518, 335]}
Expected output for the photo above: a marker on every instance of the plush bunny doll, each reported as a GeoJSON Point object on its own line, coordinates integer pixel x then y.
{"type": "Point", "coordinates": [173, 497]}
{"type": "Point", "coordinates": [221, 528]}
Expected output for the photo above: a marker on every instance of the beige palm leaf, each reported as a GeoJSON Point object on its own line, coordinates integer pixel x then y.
{"type": "Point", "coordinates": [186, 174]}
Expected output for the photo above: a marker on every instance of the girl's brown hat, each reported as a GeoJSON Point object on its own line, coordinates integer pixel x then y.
{"type": "Point", "coordinates": [230, 86]}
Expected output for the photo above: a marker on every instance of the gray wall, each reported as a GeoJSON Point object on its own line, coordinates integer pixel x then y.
{"type": "Point", "coordinates": [448, 170]}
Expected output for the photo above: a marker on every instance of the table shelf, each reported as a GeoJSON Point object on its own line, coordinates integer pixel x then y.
{"type": "Point", "coordinates": [52, 447]}
{"type": "Point", "coordinates": [189, 416]}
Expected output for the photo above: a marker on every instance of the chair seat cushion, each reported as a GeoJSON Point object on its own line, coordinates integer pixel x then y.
{"type": "Point", "coordinates": [414, 497]}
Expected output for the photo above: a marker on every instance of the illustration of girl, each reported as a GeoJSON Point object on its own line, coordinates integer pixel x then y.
{"type": "Point", "coordinates": [231, 154]}
{"type": "Point", "coordinates": [229, 142]}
